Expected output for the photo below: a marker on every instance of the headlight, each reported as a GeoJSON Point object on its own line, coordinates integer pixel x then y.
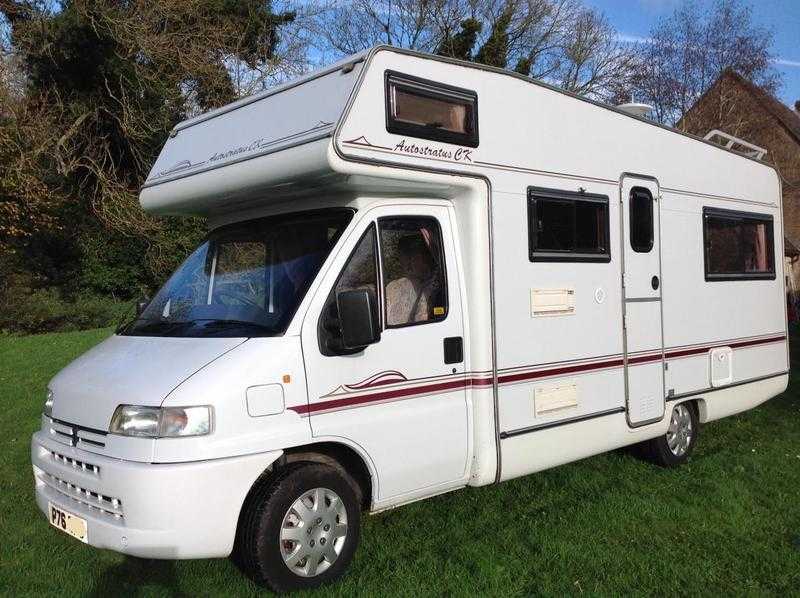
{"type": "Point", "coordinates": [185, 421]}
{"type": "Point", "coordinates": [161, 422]}
{"type": "Point", "coordinates": [131, 420]}
{"type": "Point", "coordinates": [48, 404]}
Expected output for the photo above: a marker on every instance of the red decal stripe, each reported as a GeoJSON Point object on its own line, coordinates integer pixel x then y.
{"type": "Point", "coordinates": [381, 396]}
{"type": "Point", "coordinates": [484, 381]}
{"type": "Point", "coordinates": [569, 369]}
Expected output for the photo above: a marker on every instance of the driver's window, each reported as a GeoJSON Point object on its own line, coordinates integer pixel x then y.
{"type": "Point", "coordinates": [415, 291]}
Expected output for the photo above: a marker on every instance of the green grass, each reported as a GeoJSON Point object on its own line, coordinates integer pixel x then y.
{"type": "Point", "coordinates": [727, 523]}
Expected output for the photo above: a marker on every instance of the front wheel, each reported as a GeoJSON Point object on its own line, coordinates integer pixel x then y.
{"type": "Point", "coordinates": [301, 530]}
{"type": "Point", "coordinates": [675, 447]}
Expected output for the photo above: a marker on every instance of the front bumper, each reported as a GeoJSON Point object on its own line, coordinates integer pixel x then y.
{"type": "Point", "coordinates": [164, 511]}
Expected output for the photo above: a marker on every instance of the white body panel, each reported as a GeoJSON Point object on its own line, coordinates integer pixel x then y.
{"type": "Point", "coordinates": [560, 361]}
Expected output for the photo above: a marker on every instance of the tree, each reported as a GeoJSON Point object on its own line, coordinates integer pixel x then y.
{"type": "Point", "coordinates": [559, 41]}
{"type": "Point", "coordinates": [595, 62]}
{"type": "Point", "coordinates": [687, 51]}
{"type": "Point", "coordinates": [494, 50]}
{"type": "Point", "coordinates": [462, 44]}
{"type": "Point", "coordinates": [104, 83]}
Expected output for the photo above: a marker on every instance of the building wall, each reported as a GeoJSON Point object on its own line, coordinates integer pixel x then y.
{"type": "Point", "coordinates": [733, 109]}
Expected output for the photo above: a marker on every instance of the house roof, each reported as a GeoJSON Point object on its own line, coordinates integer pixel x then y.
{"type": "Point", "coordinates": [788, 118]}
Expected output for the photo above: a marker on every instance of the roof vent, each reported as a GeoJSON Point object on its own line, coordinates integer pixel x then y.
{"type": "Point", "coordinates": [740, 146]}
{"type": "Point", "coordinates": [636, 108]}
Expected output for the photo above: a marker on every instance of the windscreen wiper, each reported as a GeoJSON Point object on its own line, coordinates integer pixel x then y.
{"type": "Point", "coordinates": [161, 326]}
{"type": "Point", "coordinates": [221, 323]}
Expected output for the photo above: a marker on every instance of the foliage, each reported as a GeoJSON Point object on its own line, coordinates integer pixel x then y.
{"type": "Point", "coordinates": [103, 83]}
{"type": "Point", "coordinates": [461, 44]}
{"type": "Point", "coordinates": [494, 50]}
{"type": "Point", "coordinates": [689, 49]}
{"type": "Point", "coordinates": [45, 310]}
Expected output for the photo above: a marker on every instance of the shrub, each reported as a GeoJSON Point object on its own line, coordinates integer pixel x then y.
{"type": "Point", "coordinates": [112, 265]}
{"type": "Point", "coordinates": [26, 311]}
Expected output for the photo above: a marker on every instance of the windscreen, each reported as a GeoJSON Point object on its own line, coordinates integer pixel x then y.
{"type": "Point", "coordinates": [245, 280]}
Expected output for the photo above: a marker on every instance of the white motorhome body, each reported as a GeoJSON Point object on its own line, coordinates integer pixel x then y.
{"type": "Point", "coordinates": [602, 281]}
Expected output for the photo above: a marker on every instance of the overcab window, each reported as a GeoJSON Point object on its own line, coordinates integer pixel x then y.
{"type": "Point", "coordinates": [566, 226]}
{"type": "Point", "coordinates": [430, 110]}
{"type": "Point", "coordinates": [738, 245]}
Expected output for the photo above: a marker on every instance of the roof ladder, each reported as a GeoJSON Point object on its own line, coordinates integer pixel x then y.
{"type": "Point", "coordinates": [740, 146]}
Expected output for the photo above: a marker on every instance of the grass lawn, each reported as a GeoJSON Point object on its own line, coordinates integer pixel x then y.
{"type": "Point", "coordinates": [727, 523]}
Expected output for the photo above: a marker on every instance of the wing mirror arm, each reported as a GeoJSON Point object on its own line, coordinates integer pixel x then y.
{"type": "Point", "coordinates": [141, 304]}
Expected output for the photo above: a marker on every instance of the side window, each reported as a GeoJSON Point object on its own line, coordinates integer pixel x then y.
{"type": "Point", "coordinates": [565, 226]}
{"type": "Point", "coordinates": [640, 211]}
{"type": "Point", "coordinates": [360, 272]}
{"type": "Point", "coordinates": [738, 245]}
{"type": "Point", "coordinates": [415, 290]}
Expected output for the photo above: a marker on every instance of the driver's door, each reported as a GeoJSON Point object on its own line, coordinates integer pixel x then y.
{"type": "Point", "coordinates": [401, 400]}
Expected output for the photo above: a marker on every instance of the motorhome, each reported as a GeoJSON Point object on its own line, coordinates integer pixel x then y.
{"type": "Point", "coordinates": [419, 275]}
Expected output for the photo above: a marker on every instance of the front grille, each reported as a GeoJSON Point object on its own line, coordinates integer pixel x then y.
{"type": "Point", "coordinates": [75, 463]}
{"type": "Point", "coordinates": [75, 435]}
{"type": "Point", "coordinates": [86, 497]}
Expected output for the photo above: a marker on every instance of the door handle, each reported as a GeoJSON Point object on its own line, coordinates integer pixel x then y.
{"type": "Point", "coordinates": [654, 282]}
{"type": "Point", "coordinates": [453, 349]}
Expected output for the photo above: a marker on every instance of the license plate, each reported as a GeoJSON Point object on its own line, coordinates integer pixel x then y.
{"type": "Point", "coordinates": [67, 522]}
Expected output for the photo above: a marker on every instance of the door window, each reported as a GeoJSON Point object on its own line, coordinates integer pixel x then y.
{"type": "Point", "coordinates": [641, 220]}
{"type": "Point", "coordinates": [412, 274]}
{"type": "Point", "coordinates": [414, 288]}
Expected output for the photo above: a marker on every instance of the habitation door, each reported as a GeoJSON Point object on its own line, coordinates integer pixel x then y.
{"type": "Point", "coordinates": [402, 400]}
{"type": "Point", "coordinates": [642, 313]}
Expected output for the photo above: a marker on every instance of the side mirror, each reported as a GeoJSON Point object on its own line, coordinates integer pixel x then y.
{"type": "Point", "coordinates": [358, 317]}
{"type": "Point", "coordinates": [141, 304]}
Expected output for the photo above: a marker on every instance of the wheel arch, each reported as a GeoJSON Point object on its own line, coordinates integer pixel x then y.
{"type": "Point", "coordinates": [341, 456]}
{"type": "Point", "coordinates": [348, 460]}
{"type": "Point", "coordinates": [698, 404]}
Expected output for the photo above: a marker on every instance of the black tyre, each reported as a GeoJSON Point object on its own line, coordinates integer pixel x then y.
{"type": "Point", "coordinates": [675, 447]}
{"type": "Point", "coordinates": [300, 529]}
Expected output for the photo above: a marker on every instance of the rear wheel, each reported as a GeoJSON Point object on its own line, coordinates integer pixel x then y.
{"type": "Point", "coordinates": [300, 530]}
{"type": "Point", "coordinates": [675, 447]}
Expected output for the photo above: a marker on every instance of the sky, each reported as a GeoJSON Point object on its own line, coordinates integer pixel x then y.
{"type": "Point", "coordinates": [634, 18]}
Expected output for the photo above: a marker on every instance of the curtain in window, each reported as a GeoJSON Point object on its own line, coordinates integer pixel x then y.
{"type": "Point", "coordinates": [426, 111]}
{"type": "Point", "coordinates": [761, 248]}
